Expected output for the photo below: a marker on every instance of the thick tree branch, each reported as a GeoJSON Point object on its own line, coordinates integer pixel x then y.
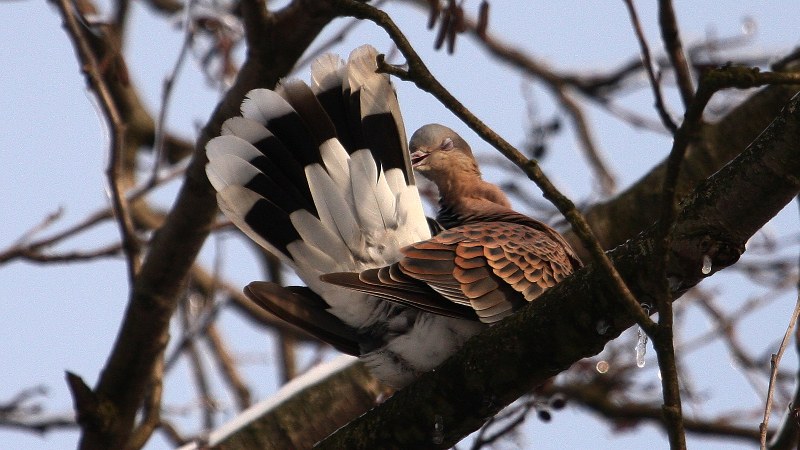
{"type": "Point", "coordinates": [560, 328]}
{"type": "Point", "coordinates": [299, 420]}
{"type": "Point", "coordinates": [719, 144]}
{"type": "Point", "coordinates": [144, 332]}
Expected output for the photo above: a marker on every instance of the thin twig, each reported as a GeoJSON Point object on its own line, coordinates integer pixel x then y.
{"type": "Point", "coordinates": [39, 425]}
{"type": "Point", "coordinates": [560, 86]}
{"type": "Point", "coordinates": [166, 94]}
{"type": "Point", "coordinates": [25, 249]}
{"type": "Point", "coordinates": [287, 370]}
{"type": "Point", "coordinates": [786, 428]}
{"type": "Point", "coordinates": [197, 327]}
{"type": "Point", "coordinates": [595, 397]}
{"type": "Point", "coordinates": [634, 119]}
{"type": "Point", "coordinates": [171, 434]}
{"type": "Point", "coordinates": [672, 42]}
{"type": "Point", "coordinates": [21, 413]}
{"type": "Point", "coordinates": [788, 433]}
{"type": "Point", "coordinates": [773, 363]}
{"type": "Point", "coordinates": [45, 223]}
{"type": "Point", "coordinates": [97, 83]}
{"type": "Point", "coordinates": [197, 367]}
{"type": "Point", "coordinates": [605, 178]}
{"type": "Point", "coordinates": [724, 329]}
{"type": "Point", "coordinates": [227, 367]}
{"type": "Point", "coordinates": [647, 61]}
{"type": "Point", "coordinates": [69, 256]}
{"type": "Point", "coordinates": [514, 416]}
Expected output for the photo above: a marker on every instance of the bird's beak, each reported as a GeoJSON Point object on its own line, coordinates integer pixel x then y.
{"type": "Point", "coordinates": [418, 158]}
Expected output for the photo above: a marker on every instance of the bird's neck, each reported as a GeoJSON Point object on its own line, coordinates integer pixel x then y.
{"type": "Point", "coordinates": [467, 198]}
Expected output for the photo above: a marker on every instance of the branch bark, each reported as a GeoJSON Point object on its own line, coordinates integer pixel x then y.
{"type": "Point", "coordinates": [307, 417]}
{"type": "Point", "coordinates": [561, 327]}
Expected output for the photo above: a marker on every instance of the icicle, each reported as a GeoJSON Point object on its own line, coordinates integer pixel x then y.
{"type": "Point", "coordinates": [641, 347]}
{"type": "Point", "coordinates": [641, 339]}
{"type": "Point", "coordinates": [706, 265]}
{"type": "Point", "coordinates": [438, 429]}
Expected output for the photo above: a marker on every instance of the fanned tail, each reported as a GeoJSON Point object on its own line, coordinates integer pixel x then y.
{"type": "Point", "coordinates": [320, 175]}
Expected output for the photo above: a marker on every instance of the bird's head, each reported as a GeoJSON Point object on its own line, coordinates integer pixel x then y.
{"type": "Point", "coordinates": [437, 151]}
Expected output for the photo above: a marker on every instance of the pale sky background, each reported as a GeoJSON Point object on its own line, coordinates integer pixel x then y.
{"type": "Point", "coordinates": [53, 153]}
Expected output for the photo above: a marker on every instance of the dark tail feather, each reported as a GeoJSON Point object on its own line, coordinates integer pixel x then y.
{"type": "Point", "coordinates": [301, 307]}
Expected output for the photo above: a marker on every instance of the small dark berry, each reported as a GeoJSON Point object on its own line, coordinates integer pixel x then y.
{"type": "Point", "coordinates": [558, 403]}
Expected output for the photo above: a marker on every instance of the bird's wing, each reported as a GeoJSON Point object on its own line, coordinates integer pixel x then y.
{"type": "Point", "coordinates": [480, 270]}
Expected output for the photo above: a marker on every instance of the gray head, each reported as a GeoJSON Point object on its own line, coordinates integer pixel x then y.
{"type": "Point", "coordinates": [437, 150]}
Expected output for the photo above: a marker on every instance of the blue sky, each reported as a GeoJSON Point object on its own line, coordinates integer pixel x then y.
{"type": "Point", "coordinates": [53, 151]}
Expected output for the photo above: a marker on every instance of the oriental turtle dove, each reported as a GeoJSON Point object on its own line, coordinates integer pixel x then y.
{"type": "Point", "coordinates": [321, 176]}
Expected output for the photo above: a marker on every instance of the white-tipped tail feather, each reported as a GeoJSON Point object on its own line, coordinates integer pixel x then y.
{"type": "Point", "coordinates": [320, 176]}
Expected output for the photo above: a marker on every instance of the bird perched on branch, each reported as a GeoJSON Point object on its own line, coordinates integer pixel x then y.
{"type": "Point", "coordinates": [321, 176]}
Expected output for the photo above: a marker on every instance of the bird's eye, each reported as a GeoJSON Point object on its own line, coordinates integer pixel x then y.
{"type": "Point", "coordinates": [447, 144]}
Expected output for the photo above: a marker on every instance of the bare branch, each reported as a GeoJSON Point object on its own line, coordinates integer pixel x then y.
{"type": "Point", "coordinates": [228, 368]}
{"type": "Point", "coordinates": [774, 362]}
{"type": "Point", "coordinates": [97, 83]}
{"type": "Point", "coordinates": [33, 250]}
{"type": "Point", "coordinates": [124, 381]}
{"type": "Point", "coordinates": [672, 42]}
{"type": "Point", "coordinates": [21, 413]}
{"type": "Point", "coordinates": [624, 413]}
{"type": "Point", "coordinates": [160, 133]}
{"type": "Point", "coordinates": [198, 368]}
{"type": "Point", "coordinates": [786, 437]}
{"type": "Point", "coordinates": [655, 81]}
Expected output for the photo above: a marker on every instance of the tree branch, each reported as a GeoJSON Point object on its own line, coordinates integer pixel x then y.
{"type": "Point", "coordinates": [598, 401]}
{"type": "Point", "coordinates": [549, 335]}
{"type": "Point", "coordinates": [143, 334]}
{"type": "Point", "coordinates": [720, 143]}
{"type": "Point", "coordinates": [655, 84]}
{"type": "Point", "coordinates": [97, 83]}
{"type": "Point", "coordinates": [672, 42]}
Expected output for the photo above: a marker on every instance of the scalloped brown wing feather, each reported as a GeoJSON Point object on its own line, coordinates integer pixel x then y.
{"type": "Point", "coordinates": [493, 267]}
